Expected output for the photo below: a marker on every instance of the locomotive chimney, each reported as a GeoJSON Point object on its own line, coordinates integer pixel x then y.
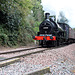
{"type": "Point", "coordinates": [47, 15]}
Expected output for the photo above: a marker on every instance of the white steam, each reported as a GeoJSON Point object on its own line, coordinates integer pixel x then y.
{"type": "Point", "coordinates": [55, 6]}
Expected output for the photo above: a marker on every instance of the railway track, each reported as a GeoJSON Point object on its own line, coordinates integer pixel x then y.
{"type": "Point", "coordinates": [16, 58]}
{"type": "Point", "coordinates": [12, 56]}
{"type": "Point", "coordinates": [21, 55]}
{"type": "Point", "coordinates": [23, 52]}
{"type": "Point", "coordinates": [15, 55]}
{"type": "Point", "coordinates": [10, 60]}
{"type": "Point", "coordinates": [14, 51]}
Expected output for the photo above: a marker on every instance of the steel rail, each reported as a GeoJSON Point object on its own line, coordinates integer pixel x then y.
{"type": "Point", "coordinates": [24, 54]}
{"type": "Point", "coordinates": [14, 51]}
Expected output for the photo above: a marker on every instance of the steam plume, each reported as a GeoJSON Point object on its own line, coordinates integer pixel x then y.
{"type": "Point", "coordinates": [54, 7]}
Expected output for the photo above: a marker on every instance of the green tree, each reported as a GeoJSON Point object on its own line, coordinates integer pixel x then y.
{"type": "Point", "coordinates": [37, 10]}
{"type": "Point", "coordinates": [18, 20]}
{"type": "Point", "coordinates": [74, 29]}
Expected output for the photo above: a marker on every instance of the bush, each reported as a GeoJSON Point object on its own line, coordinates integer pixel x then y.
{"type": "Point", "coordinates": [3, 39]}
{"type": "Point", "coordinates": [17, 23]}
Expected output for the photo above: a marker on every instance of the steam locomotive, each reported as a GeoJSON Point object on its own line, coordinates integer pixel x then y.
{"type": "Point", "coordinates": [54, 34]}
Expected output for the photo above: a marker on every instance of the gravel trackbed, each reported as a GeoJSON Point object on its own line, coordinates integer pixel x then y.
{"type": "Point", "coordinates": [60, 60]}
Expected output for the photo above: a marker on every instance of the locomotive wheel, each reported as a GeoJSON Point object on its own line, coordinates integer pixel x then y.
{"type": "Point", "coordinates": [55, 43]}
{"type": "Point", "coordinates": [58, 43]}
{"type": "Point", "coordinates": [41, 42]}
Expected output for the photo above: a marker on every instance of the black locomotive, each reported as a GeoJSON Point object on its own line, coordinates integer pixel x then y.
{"type": "Point", "coordinates": [53, 34]}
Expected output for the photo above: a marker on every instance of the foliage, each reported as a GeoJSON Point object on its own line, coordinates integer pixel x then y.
{"type": "Point", "coordinates": [36, 28]}
{"type": "Point", "coordinates": [37, 10]}
{"type": "Point", "coordinates": [19, 21]}
{"type": "Point", "coordinates": [74, 29]}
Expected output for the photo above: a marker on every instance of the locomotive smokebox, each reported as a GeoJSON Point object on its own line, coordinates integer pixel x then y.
{"type": "Point", "coordinates": [47, 15]}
